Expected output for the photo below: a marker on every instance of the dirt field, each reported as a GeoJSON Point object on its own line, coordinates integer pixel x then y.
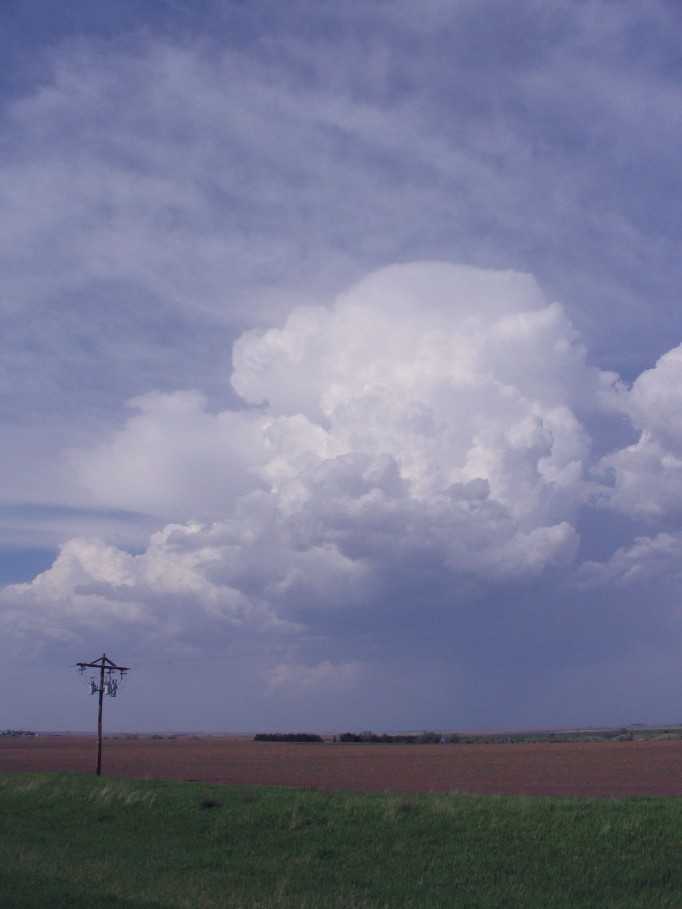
{"type": "Point", "coordinates": [611, 769]}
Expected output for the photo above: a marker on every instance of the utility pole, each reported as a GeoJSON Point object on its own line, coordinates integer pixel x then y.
{"type": "Point", "coordinates": [108, 684]}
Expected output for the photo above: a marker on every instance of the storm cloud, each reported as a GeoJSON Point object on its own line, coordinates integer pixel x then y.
{"type": "Point", "coordinates": [398, 457]}
{"type": "Point", "coordinates": [341, 361]}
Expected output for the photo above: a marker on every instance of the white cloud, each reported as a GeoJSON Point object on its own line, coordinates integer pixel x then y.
{"type": "Point", "coordinates": [419, 448]}
{"type": "Point", "coordinates": [175, 459]}
{"type": "Point", "coordinates": [164, 593]}
{"type": "Point", "coordinates": [646, 560]}
{"type": "Point", "coordinates": [655, 402]}
{"type": "Point", "coordinates": [456, 373]}
{"type": "Point", "coordinates": [430, 419]}
{"type": "Point", "coordinates": [452, 374]}
{"type": "Point", "coordinates": [647, 476]}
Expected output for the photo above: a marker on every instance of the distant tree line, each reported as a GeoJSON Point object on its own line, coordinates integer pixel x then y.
{"type": "Point", "coordinates": [287, 737]}
{"type": "Point", "coordinates": [428, 737]}
{"type": "Point", "coordinates": [417, 738]}
{"type": "Point", "coordinates": [420, 738]}
{"type": "Point", "coordinates": [17, 732]}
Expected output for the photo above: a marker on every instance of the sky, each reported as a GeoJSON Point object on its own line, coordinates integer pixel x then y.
{"type": "Point", "coordinates": [341, 363]}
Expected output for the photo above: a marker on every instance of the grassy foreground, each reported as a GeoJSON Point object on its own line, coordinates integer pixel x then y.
{"type": "Point", "coordinates": [74, 842]}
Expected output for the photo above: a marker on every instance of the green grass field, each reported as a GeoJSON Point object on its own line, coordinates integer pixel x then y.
{"type": "Point", "coordinates": [76, 842]}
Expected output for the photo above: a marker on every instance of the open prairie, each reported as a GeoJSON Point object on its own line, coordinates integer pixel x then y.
{"type": "Point", "coordinates": [608, 769]}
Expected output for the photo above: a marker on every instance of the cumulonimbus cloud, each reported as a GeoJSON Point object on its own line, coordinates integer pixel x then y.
{"type": "Point", "coordinates": [436, 420]}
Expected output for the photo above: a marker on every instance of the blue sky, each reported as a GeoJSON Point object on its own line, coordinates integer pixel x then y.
{"type": "Point", "coordinates": [341, 363]}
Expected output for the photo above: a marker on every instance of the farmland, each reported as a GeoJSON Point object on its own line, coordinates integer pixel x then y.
{"type": "Point", "coordinates": [548, 768]}
{"type": "Point", "coordinates": [222, 822]}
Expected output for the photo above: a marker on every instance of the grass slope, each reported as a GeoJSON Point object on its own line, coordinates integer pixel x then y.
{"type": "Point", "coordinates": [74, 842]}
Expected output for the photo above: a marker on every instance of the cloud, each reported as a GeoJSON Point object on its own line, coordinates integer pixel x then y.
{"type": "Point", "coordinates": [174, 458]}
{"type": "Point", "coordinates": [420, 378]}
{"type": "Point", "coordinates": [647, 476]}
{"type": "Point", "coordinates": [426, 454]}
{"type": "Point", "coordinates": [164, 595]}
{"type": "Point", "coordinates": [428, 427]}
{"type": "Point", "coordinates": [420, 453]}
{"type": "Point", "coordinates": [160, 193]}
{"type": "Point", "coordinates": [646, 560]}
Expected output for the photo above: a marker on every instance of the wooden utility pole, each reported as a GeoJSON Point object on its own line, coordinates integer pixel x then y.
{"type": "Point", "coordinates": [107, 685]}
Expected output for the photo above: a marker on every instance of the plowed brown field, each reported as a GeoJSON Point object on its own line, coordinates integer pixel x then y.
{"type": "Point", "coordinates": [610, 769]}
